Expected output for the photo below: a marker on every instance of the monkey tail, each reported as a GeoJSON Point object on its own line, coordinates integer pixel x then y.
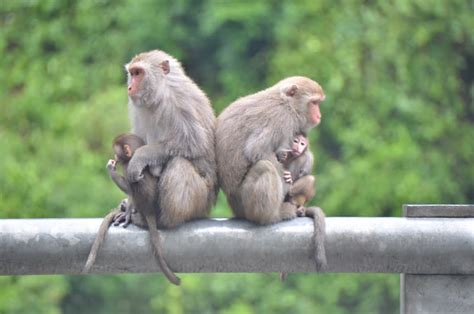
{"type": "Point", "coordinates": [99, 239]}
{"type": "Point", "coordinates": [157, 251]}
{"type": "Point", "coordinates": [319, 235]}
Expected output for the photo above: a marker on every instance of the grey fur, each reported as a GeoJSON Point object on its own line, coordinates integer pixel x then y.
{"type": "Point", "coordinates": [142, 196]}
{"type": "Point", "coordinates": [176, 120]}
{"type": "Point", "coordinates": [302, 188]}
{"type": "Point", "coordinates": [249, 133]}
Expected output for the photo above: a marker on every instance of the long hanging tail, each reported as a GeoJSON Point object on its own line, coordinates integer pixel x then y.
{"type": "Point", "coordinates": [99, 239]}
{"type": "Point", "coordinates": [156, 246]}
{"type": "Point", "coordinates": [319, 235]}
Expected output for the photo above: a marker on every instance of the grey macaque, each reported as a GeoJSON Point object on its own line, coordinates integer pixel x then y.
{"type": "Point", "coordinates": [174, 117]}
{"type": "Point", "coordinates": [249, 133]}
{"type": "Point", "coordinates": [142, 196]}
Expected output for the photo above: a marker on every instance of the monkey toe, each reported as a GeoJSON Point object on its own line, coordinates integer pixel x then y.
{"type": "Point", "coordinates": [300, 211]}
{"type": "Point", "coordinates": [122, 217]}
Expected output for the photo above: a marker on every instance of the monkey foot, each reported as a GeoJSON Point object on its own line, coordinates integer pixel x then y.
{"type": "Point", "coordinates": [301, 211]}
{"type": "Point", "coordinates": [123, 217]}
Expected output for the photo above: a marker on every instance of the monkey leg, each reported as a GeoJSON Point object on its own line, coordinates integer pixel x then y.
{"type": "Point", "coordinates": [303, 190]}
{"type": "Point", "coordinates": [183, 194]}
{"type": "Point", "coordinates": [319, 235]}
{"type": "Point", "coordinates": [127, 215]}
{"type": "Point", "coordinates": [262, 195]}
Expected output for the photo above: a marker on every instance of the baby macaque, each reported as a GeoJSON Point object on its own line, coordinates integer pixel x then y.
{"type": "Point", "coordinates": [298, 164]}
{"type": "Point", "coordinates": [141, 197]}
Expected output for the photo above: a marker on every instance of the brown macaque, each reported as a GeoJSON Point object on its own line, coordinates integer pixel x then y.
{"type": "Point", "coordinates": [175, 119]}
{"type": "Point", "coordinates": [298, 164]}
{"type": "Point", "coordinates": [141, 195]}
{"type": "Point", "coordinates": [249, 133]}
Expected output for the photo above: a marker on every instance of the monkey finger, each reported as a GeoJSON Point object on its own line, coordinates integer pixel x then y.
{"type": "Point", "coordinates": [119, 218]}
{"type": "Point", "coordinates": [111, 164]}
{"type": "Point", "coordinates": [128, 220]}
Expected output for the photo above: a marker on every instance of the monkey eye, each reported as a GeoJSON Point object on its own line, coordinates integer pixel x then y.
{"type": "Point", "coordinates": [295, 141]}
{"type": "Point", "coordinates": [135, 71]}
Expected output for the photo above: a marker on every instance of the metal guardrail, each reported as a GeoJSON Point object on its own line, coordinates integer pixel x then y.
{"type": "Point", "coordinates": [432, 248]}
{"type": "Point", "coordinates": [380, 245]}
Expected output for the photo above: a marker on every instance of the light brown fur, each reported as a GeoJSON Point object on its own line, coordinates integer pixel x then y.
{"type": "Point", "coordinates": [142, 196]}
{"type": "Point", "coordinates": [248, 135]}
{"type": "Point", "coordinates": [176, 120]}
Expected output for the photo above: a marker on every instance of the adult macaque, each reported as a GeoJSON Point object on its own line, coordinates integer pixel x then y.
{"type": "Point", "coordinates": [249, 133]}
{"type": "Point", "coordinates": [142, 196]}
{"type": "Point", "coordinates": [298, 164]}
{"type": "Point", "coordinates": [174, 117]}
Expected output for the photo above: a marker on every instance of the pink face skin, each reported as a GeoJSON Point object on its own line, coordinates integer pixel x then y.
{"type": "Point", "coordinates": [299, 145]}
{"type": "Point", "coordinates": [314, 111]}
{"type": "Point", "coordinates": [136, 76]}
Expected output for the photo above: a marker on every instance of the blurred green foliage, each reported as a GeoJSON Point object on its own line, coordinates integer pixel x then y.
{"type": "Point", "coordinates": [397, 126]}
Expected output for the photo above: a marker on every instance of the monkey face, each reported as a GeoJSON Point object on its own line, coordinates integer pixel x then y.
{"type": "Point", "coordinates": [299, 145]}
{"type": "Point", "coordinates": [136, 73]}
{"type": "Point", "coordinates": [314, 112]}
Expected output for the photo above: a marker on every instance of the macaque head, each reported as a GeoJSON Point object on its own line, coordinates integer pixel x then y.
{"type": "Point", "coordinates": [125, 145]}
{"type": "Point", "coordinates": [146, 76]}
{"type": "Point", "coordinates": [299, 145]}
{"type": "Point", "coordinates": [305, 96]}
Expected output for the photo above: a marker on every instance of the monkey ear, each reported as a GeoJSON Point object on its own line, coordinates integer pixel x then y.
{"type": "Point", "coordinates": [290, 91]}
{"type": "Point", "coordinates": [165, 65]}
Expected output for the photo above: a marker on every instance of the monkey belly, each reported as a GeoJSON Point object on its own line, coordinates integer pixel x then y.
{"type": "Point", "coordinates": [183, 194]}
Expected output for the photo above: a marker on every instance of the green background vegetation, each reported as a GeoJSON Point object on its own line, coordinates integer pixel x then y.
{"type": "Point", "coordinates": [397, 126]}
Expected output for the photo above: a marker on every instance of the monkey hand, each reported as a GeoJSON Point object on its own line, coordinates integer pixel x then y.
{"type": "Point", "coordinates": [155, 171]}
{"type": "Point", "coordinates": [287, 177]}
{"type": "Point", "coordinates": [111, 164]}
{"type": "Point", "coordinates": [282, 156]}
{"type": "Point", "coordinates": [135, 170]}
